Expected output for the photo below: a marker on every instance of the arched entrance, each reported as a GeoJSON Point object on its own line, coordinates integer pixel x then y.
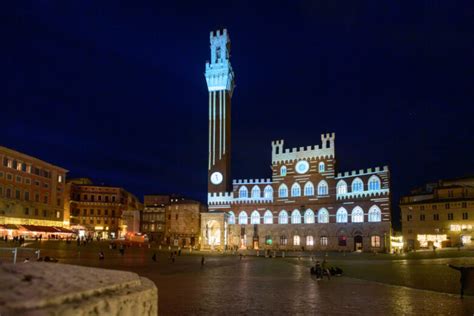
{"type": "Point", "coordinates": [358, 246]}
{"type": "Point", "coordinates": [213, 233]}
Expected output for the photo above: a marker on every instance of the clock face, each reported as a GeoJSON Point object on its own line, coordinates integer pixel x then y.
{"type": "Point", "coordinates": [216, 178]}
{"type": "Point", "coordinates": [302, 166]}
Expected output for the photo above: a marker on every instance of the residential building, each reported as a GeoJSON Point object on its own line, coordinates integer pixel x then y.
{"type": "Point", "coordinates": [439, 214]}
{"type": "Point", "coordinates": [153, 217]}
{"type": "Point", "coordinates": [183, 222]}
{"type": "Point", "coordinates": [31, 191]}
{"type": "Point", "coordinates": [96, 210]}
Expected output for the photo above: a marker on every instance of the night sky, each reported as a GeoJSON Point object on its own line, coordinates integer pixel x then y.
{"type": "Point", "coordinates": [117, 92]}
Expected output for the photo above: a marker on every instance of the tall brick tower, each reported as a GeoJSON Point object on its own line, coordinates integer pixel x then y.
{"type": "Point", "coordinates": [220, 84]}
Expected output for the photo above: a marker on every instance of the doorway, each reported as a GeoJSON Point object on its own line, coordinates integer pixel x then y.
{"type": "Point", "coordinates": [358, 246]}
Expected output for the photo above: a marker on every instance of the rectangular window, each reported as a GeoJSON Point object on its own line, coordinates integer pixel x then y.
{"type": "Point", "coordinates": [27, 211]}
{"type": "Point", "coordinates": [8, 193]}
{"type": "Point", "coordinates": [113, 198]}
{"type": "Point", "coordinates": [5, 162]}
{"type": "Point", "coordinates": [176, 216]}
{"type": "Point", "coordinates": [450, 193]}
{"type": "Point", "coordinates": [17, 194]}
{"type": "Point", "coordinates": [58, 214]}
{"type": "Point", "coordinates": [106, 212]}
{"type": "Point", "coordinates": [27, 196]}
{"type": "Point", "coordinates": [450, 216]}
{"type": "Point", "coordinates": [465, 216]}
{"type": "Point", "coordinates": [58, 201]}
{"type": "Point", "coordinates": [464, 204]}
{"type": "Point", "coordinates": [113, 213]}
{"type": "Point", "coordinates": [409, 217]}
{"type": "Point", "coordinates": [106, 198]}
{"type": "Point", "coordinates": [1, 174]}
{"type": "Point", "coordinates": [422, 217]}
{"type": "Point", "coordinates": [99, 198]}
{"type": "Point", "coordinates": [37, 197]}
{"type": "Point", "coordinates": [436, 217]}
{"type": "Point", "coordinates": [1, 191]}
{"type": "Point", "coordinates": [45, 213]}
{"type": "Point", "coordinates": [98, 212]}
{"type": "Point", "coordinates": [323, 241]}
{"type": "Point", "coordinates": [18, 179]}
{"type": "Point", "coordinates": [446, 206]}
{"type": "Point", "coordinates": [84, 198]}
{"type": "Point", "coordinates": [92, 211]}
{"type": "Point", "coordinates": [91, 221]}
{"type": "Point", "coordinates": [45, 185]}
{"type": "Point", "coordinates": [37, 183]}
{"type": "Point", "coordinates": [92, 198]}
{"type": "Point", "coordinates": [18, 166]}
{"type": "Point", "coordinates": [9, 176]}
{"type": "Point", "coordinates": [36, 212]}
{"type": "Point", "coordinates": [27, 180]}
{"type": "Point", "coordinates": [45, 199]}
{"type": "Point", "coordinates": [375, 241]}
{"type": "Point", "coordinates": [23, 167]}
{"type": "Point", "coordinates": [84, 212]}
{"type": "Point", "coordinates": [15, 164]}
{"type": "Point", "coordinates": [283, 241]}
{"type": "Point", "coordinates": [60, 178]}
{"type": "Point", "coordinates": [342, 241]}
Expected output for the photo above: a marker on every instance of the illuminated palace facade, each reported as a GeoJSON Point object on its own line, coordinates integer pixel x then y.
{"type": "Point", "coordinates": [306, 205]}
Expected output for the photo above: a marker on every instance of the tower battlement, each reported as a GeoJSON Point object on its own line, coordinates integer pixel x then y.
{"type": "Point", "coordinates": [362, 172]}
{"type": "Point", "coordinates": [279, 153]}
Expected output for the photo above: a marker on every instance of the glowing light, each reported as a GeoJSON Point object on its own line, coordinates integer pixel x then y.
{"type": "Point", "coordinates": [436, 240]}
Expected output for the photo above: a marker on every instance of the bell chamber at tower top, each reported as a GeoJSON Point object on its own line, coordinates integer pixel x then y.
{"type": "Point", "coordinates": [219, 74]}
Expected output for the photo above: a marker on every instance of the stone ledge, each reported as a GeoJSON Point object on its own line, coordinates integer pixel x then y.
{"type": "Point", "coordinates": [39, 288]}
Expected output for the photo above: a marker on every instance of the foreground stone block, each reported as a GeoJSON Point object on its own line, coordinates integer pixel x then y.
{"type": "Point", "coordinates": [40, 288]}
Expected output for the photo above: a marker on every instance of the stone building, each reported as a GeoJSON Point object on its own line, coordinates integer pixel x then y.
{"type": "Point", "coordinates": [97, 210]}
{"type": "Point", "coordinates": [183, 222]}
{"type": "Point", "coordinates": [31, 191]}
{"type": "Point", "coordinates": [439, 215]}
{"type": "Point", "coordinates": [153, 217]}
{"type": "Point", "coordinates": [306, 204]}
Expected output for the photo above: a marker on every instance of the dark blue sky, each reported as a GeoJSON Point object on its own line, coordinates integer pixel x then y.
{"type": "Point", "coordinates": [116, 91]}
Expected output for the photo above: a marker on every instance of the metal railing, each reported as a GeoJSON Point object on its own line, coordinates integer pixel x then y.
{"type": "Point", "coordinates": [14, 252]}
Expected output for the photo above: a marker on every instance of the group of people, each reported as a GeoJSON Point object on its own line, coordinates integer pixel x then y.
{"type": "Point", "coordinates": [18, 239]}
{"type": "Point", "coordinates": [322, 269]}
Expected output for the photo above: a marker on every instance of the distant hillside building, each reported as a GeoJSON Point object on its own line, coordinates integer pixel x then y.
{"type": "Point", "coordinates": [97, 210]}
{"type": "Point", "coordinates": [306, 204]}
{"type": "Point", "coordinates": [439, 215]}
{"type": "Point", "coordinates": [31, 191]}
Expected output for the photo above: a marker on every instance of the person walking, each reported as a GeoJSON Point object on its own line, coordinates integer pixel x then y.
{"type": "Point", "coordinates": [101, 255]}
{"type": "Point", "coordinates": [202, 261]}
{"type": "Point", "coordinates": [465, 271]}
{"type": "Point", "coordinates": [153, 257]}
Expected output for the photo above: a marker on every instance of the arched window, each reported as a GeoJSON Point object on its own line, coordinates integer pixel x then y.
{"type": "Point", "coordinates": [255, 192]}
{"type": "Point", "coordinates": [323, 216]}
{"type": "Point", "coordinates": [375, 215]}
{"type": "Point", "coordinates": [357, 185]}
{"type": "Point", "coordinates": [374, 183]}
{"type": "Point", "coordinates": [309, 241]}
{"type": "Point", "coordinates": [309, 189]}
{"type": "Point", "coordinates": [295, 190]}
{"type": "Point", "coordinates": [296, 217]}
{"type": "Point", "coordinates": [296, 240]}
{"type": "Point", "coordinates": [283, 191]}
{"type": "Point", "coordinates": [255, 218]}
{"type": "Point", "coordinates": [283, 217]}
{"type": "Point", "coordinates": [243, 219]}
{"type": "Point", "coordinates": [341, 215]}
{"type": "Point", "coordinates": [243, 192]}
{"type": "Point", "coordinates": [231, 218]}
{"type": "Point", "coordinates": [323, 188]}
{"type": "Point", "coordinates": [268, 217]}
{"type": "Point", "coordinates": [283, 171]}
{"type": "Point", "coordinates": [268, 192]}
{"type": "Point", "coordinates": [357, 215]}
{"type": "Point", "coordinates": [309, 216]}
{"type": "Point", "coordinates": [322, 167]}
{"type": "Point", "coordinates": [341, 187]}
